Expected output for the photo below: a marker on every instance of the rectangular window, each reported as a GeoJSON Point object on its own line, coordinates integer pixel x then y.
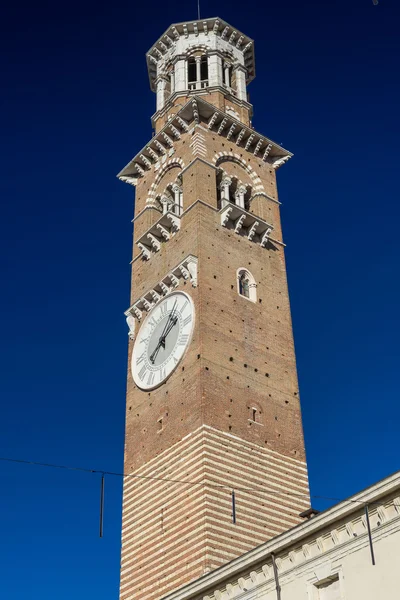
{"type": "Point", "coordinates": [329, 590]}
{"type": "Point", "coordinates": [191, 70]}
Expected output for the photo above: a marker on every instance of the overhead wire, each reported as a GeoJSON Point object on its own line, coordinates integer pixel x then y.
{"type": "Point", "coordinates": [180, 481]}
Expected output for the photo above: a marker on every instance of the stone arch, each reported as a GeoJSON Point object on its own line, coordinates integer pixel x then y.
{"type": "Point", "coordinates": [194, 49]}
{"type": "Point", "coordinates": [172, 163]}
{"type": "Point", "coordinates": [221, 157]}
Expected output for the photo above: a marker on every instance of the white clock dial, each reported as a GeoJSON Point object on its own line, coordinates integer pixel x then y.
{"type": "Point", "coordinates": [162, 340]}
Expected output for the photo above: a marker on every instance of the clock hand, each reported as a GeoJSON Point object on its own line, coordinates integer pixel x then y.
{"type": "Point", "coordinates": [161, 341]}
{"type": "Point", "coordinates": [171, 325]}
{"type": "Point", "coordinates": [168, 321]}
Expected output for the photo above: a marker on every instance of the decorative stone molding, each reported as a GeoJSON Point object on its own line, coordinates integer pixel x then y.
{"type": "Point", "coordinates": [131, 322]}
{"type": "Point", "coordinates": [222, 125]}
{"type": "Point", "coordinates": [258, 146]}
{"type": "Point", "coordinates": [169, 141]}
{"type": "Point", "coordinates": [146, 254]}
{"type": "Point", "coordinates": [280, 161]}
{"type": "Point", "coordinates": [155, 242]}
{"type": "Point", "coordinates": [184, 271]}
{"type": "Point", "coordinates": [164, 232]}
{"type": "Point", "coordinates": [265, 237]}
{"type": "Point", "coordinates": [225, 217]}
{"type": "Point", "coordinates": [198, 144]}
{"type": "Point", "coordinates": [240, 136]}
{"type": "Point", "coordinates": [239, 223]}
{"type": "Point", "coordinates": [237, 218]}
{"type": "Point", "coordinates": [267, 151]}
{"type": "Point", "coordinates": [231, 131]}
{"type": "Point", "coordinates": [221, 157]}
{"type": "Point", "coordinates": [193, 111]}
{"type": "Point", "coordinates": [249, 141]}
{"type": "Point", "coordinates": [160, 232]}
{"type": "Point", "coordinates": [252, 230]}
{"type": "Point", "coordinates": [212, 120]}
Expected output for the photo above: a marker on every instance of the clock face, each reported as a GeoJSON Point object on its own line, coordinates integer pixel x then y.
{"type": "Point", "coordinates": [162, 340]}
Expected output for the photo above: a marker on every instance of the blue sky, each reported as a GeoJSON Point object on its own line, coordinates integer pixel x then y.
{"type": "Point", "coordinates": [75, 107]}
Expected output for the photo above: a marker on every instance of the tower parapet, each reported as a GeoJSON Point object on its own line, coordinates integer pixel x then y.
{"type": "Point", "coordinates": [207, 57]}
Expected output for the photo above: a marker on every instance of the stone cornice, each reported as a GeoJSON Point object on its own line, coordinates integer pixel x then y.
{"type": "Point", "coordinates": [213, 26]}
{"type": "Point", "coordinates": [222, 123]}
{"type": "Point", "coordinates": [186, 270]}
{"type": "Point", "coordinates": [246, 563]}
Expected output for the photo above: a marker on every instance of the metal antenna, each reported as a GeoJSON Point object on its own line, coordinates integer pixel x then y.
{"type": "Point", "coordinates": [198, 9]}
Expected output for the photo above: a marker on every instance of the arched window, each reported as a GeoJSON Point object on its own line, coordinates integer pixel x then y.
{"type": "Point", "coordinates": [246, 285]}
{"type": "Point", "coordinates": [197, 72]}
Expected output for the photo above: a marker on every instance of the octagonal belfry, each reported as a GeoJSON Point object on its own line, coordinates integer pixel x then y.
{"type": "Point", "coordinates": [209, 58]}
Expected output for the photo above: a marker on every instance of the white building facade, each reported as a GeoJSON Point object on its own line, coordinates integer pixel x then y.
{"type": "Point", "coordinates": [331, 556]}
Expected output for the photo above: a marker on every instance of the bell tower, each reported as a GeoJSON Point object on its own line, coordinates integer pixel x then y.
{"type": "Point", "coordinates": [214, 453]}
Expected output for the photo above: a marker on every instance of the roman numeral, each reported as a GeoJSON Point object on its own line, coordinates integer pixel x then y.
{"type": "Point", "coordinates": [184, 306]}
{"type": "Point", "coordinates": [152, 322]}
{"type": "Point", "coordinates": [150, 378]}
{"type": "Point", "coordinates": [142, 373]}
{"type": "Point", "coordinates": [144, 340]}
{"type": "Point", "coordinates": [141, 358]}
{"type": "Point", "coordinates": [187, 320]}
{"type": "Point", "coordinates": [183, 340]}
{"type": "Point", "coordinates": [164, 309]}
{"type": "Point", "coordinates": [163, 373]}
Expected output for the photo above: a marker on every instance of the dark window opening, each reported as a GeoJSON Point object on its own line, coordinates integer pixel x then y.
{"type": "Point", "coordinates": [191, 70]}
{"type": "Point", "coordinates": [204, 68]}
{"type": "Point", "coordinates": [244, 287]}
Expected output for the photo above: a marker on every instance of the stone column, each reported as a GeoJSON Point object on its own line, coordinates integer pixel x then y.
{"type": "Point", "coordinates": [198, 72]}
{"type": "Point", "coordinates": [178, 199]}
{"type": "Point", "coordinates": [172, 81]}
{"type": "Point", "coordinates": [227, 81]}
{"type": "Point", "coordinates": [225, 185]}
{"type": "Point", "coordinates": [160, 82]}
{"type": "Point", "coordinates": [165, 201]}
{"type": "Point", "coordinates": [241, 89]}
{"type": "Point", "coordinates": [239, 196]}
{"type": "Point", "coordinates": [214, 70]}
{"type": "Point", "coordinates": [180, 75]}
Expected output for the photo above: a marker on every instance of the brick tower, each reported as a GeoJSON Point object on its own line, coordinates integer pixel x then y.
{"type": "Point", "coordinates": [212, 395]}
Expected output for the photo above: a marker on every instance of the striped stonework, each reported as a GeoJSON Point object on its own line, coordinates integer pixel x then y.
{"type": "Point", "coordinates": [175, 531]}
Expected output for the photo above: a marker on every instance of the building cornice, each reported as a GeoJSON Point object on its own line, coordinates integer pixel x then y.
{"type": "Point", "coordinates": [292, 537]}
{"type": "Point", "coordinates": [198, 110]}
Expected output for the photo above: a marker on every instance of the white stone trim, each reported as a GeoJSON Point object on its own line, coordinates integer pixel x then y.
{"type": "Point", "coordinates": [195, 108]}
{"type": "Point", "coordinates": [186, 269]}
